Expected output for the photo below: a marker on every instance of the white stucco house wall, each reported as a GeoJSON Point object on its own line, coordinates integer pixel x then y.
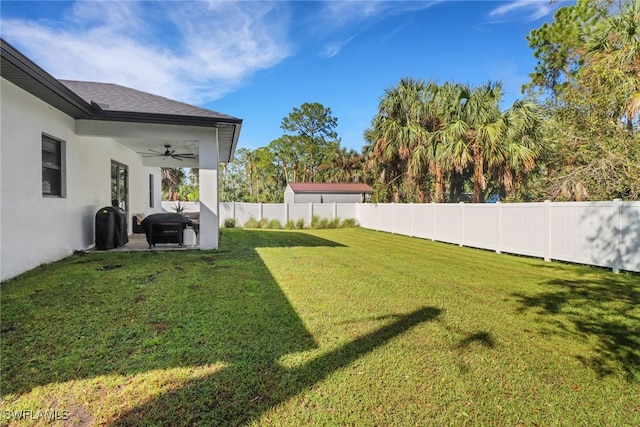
{"type": "Point", "coordinates": [305, 192]}
{"type": "Point", "coordinates": [62, 142]}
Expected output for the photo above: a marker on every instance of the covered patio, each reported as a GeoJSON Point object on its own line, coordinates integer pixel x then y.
{"type": "Point", "coordinates": [138, 243]}
{"type": "Point", "coordinates": [167, 134]}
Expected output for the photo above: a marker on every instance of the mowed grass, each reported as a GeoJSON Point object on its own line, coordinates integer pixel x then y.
{"type": "Point", "coordinates": [320, 327]}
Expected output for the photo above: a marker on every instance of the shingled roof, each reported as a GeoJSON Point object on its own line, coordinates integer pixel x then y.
{"type": "Point", "coordinates": [112, 102]}
{"type": "Point", "coordinates": [113, 97]}
{"type": "Point", "coordinates": [315, 187]}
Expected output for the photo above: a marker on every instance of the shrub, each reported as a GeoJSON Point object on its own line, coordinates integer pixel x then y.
{"type": "Point", "coordinates": [334, 223]}
{"type": "Point", "coordinates": [300, 224]}
{"type": "Point", "coordinates": [252, 223]}
{"type": "Point", "coordinates": [274, 224]}
{"type": "Point", "coordinates": [263, 223]}
{"type": "Point", "coordinates": [349, 222]}
{"type": "Point", "coordinates": [230, 223]}
{"type": "Point", "coordinates": [315, 220]}
{"type": "Point", "coordinates": [290, 225]}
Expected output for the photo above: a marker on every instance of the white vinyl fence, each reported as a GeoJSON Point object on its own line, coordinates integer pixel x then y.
{"type": "Point", "coordinates": [285, 212]}
{"type": "Point", "coordinates": [605, 234]}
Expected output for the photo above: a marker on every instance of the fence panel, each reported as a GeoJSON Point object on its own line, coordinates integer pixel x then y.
{"type": "Point", "coordinates": [385, 217]}
{"type": "Point", "coordinates": [226, 211]}
{"type": "Point", "coordinates": [402, 223]}
{"type": "Point", "coordinates": [482, 226]}
{"type": "Point", "coordinates": [273, 211]}
{"type": "Point", "coordinates": [323, 210]}
{"type": "Point", "coordinates": [629, 253]}
{"type": "Point", "coordinates": [423, 220]}
{"type": "Point", "coordinates": [368, 215]}
{"type": "Point", "coordinates": [347, 211]}
{"type": "Point", "coordinates": [299, 211]}
{"type": "Point", "coordinates": [448, 223]}
{"type": "Point", "coordinates": [583, 232]}
{"type": "Point", "coordinates": [245, 211]}
{"type": "Point", "coordinates": [523, 229]}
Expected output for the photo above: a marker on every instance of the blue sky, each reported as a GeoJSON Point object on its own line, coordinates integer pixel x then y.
{"type": "Point", "coordinates": [259, 60]}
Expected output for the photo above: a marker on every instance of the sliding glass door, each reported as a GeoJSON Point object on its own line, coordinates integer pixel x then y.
{"type": "Point", "coordinates": [120, 187]}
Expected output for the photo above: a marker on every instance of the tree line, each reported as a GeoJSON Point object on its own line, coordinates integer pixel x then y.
{"type": "Point", "coordinates": [573, 136]}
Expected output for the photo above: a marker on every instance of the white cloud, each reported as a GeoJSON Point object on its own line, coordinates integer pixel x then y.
{"type": "Point", "coordinates": [331, 49]}
{"type": "Point", "coordinates": [529, 10]}
{"type": "Point", "coordinates": [195, 52]}
{"type": "Point", "coordinates": [338, 16]}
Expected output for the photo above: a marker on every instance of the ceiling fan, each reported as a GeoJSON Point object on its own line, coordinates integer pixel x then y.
{"type": "Point", "coordinates": [168, 153]}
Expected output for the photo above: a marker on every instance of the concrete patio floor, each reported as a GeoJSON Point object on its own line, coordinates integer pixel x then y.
{"type": "Point", "coordinates": [138, 243]}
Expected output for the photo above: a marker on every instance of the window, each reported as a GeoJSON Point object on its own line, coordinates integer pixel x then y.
{"type": "Point", "coordinates": [53, 167]}
{"type": "Point", "coordinates": [150, 190]}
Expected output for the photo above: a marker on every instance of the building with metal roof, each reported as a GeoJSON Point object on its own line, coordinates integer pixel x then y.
{"type": "Point", "coordinates": [308, 192]}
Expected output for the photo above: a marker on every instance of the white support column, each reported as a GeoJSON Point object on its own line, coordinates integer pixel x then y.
{"type": "Point", "coordinates": [209, 201]}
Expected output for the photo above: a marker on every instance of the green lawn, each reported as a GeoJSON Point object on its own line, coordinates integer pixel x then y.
{"type": "Point", "coordinates": [320, 327]}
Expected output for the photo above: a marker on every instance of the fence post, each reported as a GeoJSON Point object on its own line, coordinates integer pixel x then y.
{"type": "Point", "coordinates": [310, 213]}
{"type": "Point", "coordinates": [433, 229]}
{"type": "Point", "coordinates": [499, 207]}
{"type": "Point", "coordinates": [411, 219]}
{"type": "Point", "coordinates": [547, 230]}
{"type": "Point", "coordinates": [233, 212]}
{"type": "Point", "coordinates": [286, 213]}
{"type": "Point", "coordinates": [462, 223]}
{"type": "Point", "coordinates": [335, 210]}
{"type": "Point", "coordinates": [393, 218]}
{"type": "Point", "coordinates": [617, 242]}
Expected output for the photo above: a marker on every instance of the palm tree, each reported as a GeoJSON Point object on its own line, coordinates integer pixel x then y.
{"type": "Point", "coordinates": [397, 130]}
{"type": "Point", "coordinates": [523, 143]}
{"type": "Point", "coordinates": [472, 138]}
{"type": "Point", "coordinates": [172, 179]}
{"type": "Point", "coordinates": [483, 138]}
{"type": "Point", "coordinates": [346, 166]}
{"type": "Point", "coordinates": [440, 104]}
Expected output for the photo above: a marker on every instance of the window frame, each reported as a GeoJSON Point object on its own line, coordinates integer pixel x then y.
{"type": "Point", "coordinates": [58, 166]}
{"type": "Point", "coordinates": [151, 190]}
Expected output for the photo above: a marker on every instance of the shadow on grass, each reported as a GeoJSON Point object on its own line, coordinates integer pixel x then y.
{"type": "Point", "coordinates": [483, 338]}
{"type": "Point", "coordinates": [243, 391]}
{"type": "Point", "coordinates": [129, 313]}
{"type": "Point", "coordinates": [252, 239]}
{"type": "Point", "coordinates": [602, 309]}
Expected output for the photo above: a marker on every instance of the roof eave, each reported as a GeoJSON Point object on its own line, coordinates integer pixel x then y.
{"type": "Point", "coordinates": [21, 71]}
{"type": "Point", "coordinates": [156, 118]}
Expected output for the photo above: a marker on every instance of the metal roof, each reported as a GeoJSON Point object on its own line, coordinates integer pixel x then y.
{"type": "Point", "coordinates": [308, 187]}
